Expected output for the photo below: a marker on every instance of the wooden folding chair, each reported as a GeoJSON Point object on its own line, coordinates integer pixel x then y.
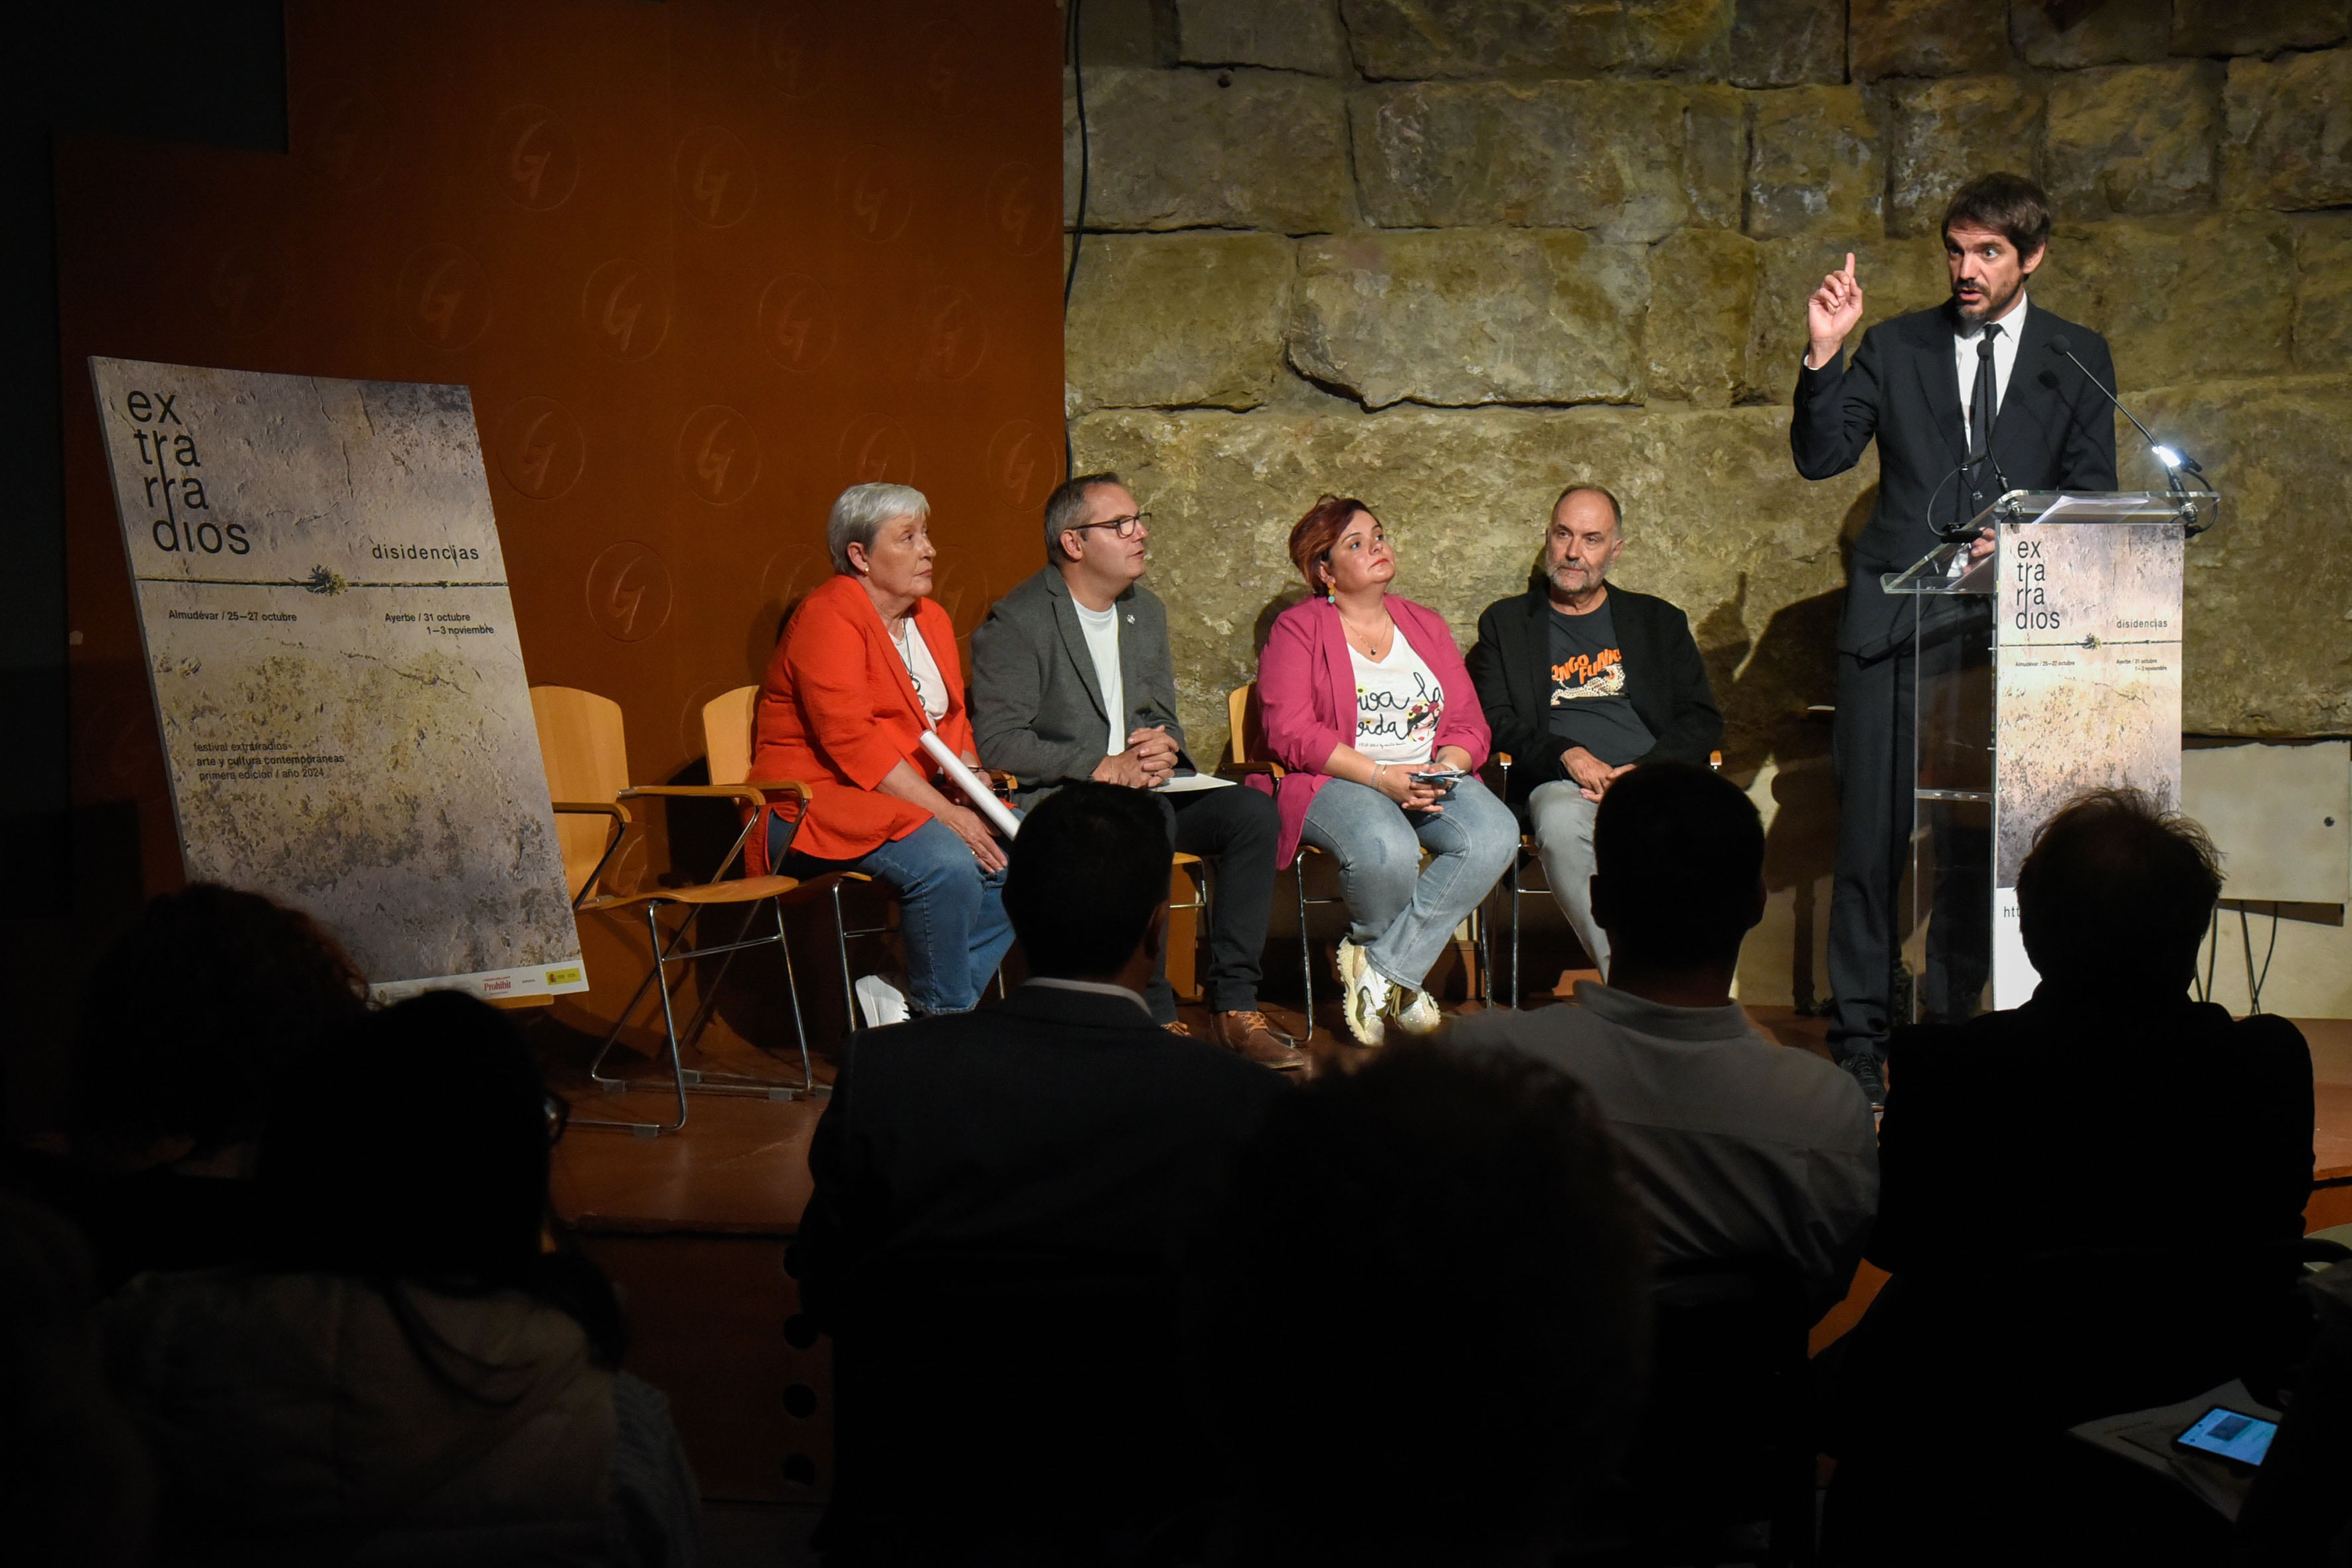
{"type": "Point", "coordinates": [583, 740]}
{"type": "Point", "coordinates": [727, 741]}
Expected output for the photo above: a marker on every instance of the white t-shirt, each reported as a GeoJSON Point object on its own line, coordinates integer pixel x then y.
{"type": "Point", "coordinates": [921, 667]}
{"type": "Point", "coordinates": [1398, 703]}
{"type": "Point", "coordinates": [1101, 627]}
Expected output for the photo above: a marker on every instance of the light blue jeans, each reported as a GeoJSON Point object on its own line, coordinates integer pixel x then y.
{"type": "Point", "coordinates": [951, 918]}
{"type": "Point", "coordinates": [1401, 915]}
{"type": "Point", "coordinates": [1563, 821]}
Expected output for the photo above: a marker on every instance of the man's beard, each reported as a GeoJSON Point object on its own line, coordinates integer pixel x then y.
{"type": "Point", "coordinates": [1987, 307]}
{"type": "Point", "coordinates": [1560, 580]}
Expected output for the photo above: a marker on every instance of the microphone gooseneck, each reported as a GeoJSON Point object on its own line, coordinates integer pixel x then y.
{"type": "Point", "coordinates": [2173, 462]}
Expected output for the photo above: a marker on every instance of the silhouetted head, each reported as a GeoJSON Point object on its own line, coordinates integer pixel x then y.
{"type": "Point", "coordinates": [1678, 857]}
{"type": "Point", "coordinates": [209, 1000]}
{"type": "Point", "coordinates": [1423, 1310]}
{"type": "Point", "coordinates": [1088, 878]}
{"type": "Point", "coordinates": [2116, 896]}
{"type": "Point", "coordinates": [417, 1149]}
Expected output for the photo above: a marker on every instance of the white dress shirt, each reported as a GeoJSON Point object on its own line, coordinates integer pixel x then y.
{"type": "Point", "coordinates": [1738, 1147]}
{"type": "Point", "coordinates": [1092, 989]}
{"type": "Point", "coordinates": [2004, 358]}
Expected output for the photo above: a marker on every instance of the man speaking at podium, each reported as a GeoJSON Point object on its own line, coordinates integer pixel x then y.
{"type": "Point", "coordinates": [1966, 400]}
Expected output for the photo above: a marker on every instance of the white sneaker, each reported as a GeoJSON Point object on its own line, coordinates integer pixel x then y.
{"type": "Point", "coordinates": [881, 999]}
{"type": "Point", "coordinates": [1366, 998]}
{"type": "Point", "coordinates": [1416, 1012]}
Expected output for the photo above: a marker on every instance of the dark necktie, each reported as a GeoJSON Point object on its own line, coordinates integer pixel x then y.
{"type": "Point", "coordinates": [1982, 405]}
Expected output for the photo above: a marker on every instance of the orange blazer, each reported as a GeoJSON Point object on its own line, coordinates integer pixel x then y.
{"type": "Point", "coordinates": [837, 711]}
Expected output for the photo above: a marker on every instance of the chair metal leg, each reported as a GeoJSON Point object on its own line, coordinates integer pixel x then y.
{"type": "Point", "coordinates": [621, 1018]}
{"type": "Point", "coordinates": [744, 1083]}
{"type": "Point", "coordinates": [841, 950]}
{"type": "Point", "coordinates": [1516, 993]}
{"type": "Point", "coordinates": [669, 1025]}
{"type": "Point", "coordinates": [1485, 917]}
{"type": "Point", "coordinates": [1306, 953]}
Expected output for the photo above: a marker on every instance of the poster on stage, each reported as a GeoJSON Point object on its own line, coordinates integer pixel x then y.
{"type": "Point", "coordinates": [346, 723]}
{"type": "Point", "coordinates": [2086, 638]}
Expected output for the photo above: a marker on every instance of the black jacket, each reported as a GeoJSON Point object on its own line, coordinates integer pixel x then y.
{"type": "Point", "coordinates": [1061, 1124]}
{"type": "Point", "coordinates": [2055, 432]}
{"type": "Point", "coordinates": [1665, 680]}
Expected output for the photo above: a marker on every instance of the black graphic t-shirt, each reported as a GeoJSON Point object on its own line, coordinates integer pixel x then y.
{"type": "Point", "coordinates": [1588, 701]}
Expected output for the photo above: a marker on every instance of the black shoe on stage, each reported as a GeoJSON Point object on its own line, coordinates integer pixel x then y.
{"type": "Point", "coordinates": [1868, 1072]}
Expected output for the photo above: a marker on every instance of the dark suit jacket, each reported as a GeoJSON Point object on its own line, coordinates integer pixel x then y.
{"type": "Point", "coordinates": [2055, 432]}
{"type": "Point", "coordinates": [1665, 680]}
{"type": "Point", "coordinates": [1037, 710]}
{"type": "Point", "coordinates": [1062, 1124]}
{"type": "Point", "coordinates": [2203, 1122]}
{"type": "Point", "coordinates": [2087, 1207]}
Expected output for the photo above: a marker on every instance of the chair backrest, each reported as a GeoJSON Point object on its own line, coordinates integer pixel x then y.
{"type": "Point", "coordinates": [1721, 1433]}
{"type": "Point", "coordinates": [1243, 720]}
{"type": "Point", "coordinates": [727, 734]}
{"type": "Point", "coordinates": [583, 744]}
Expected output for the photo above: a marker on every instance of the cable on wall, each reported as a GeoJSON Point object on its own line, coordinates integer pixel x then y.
{"type": "Point", "coordinates": [1086, 169]}
{"type": "Point", "coordinates": [1086, 152]}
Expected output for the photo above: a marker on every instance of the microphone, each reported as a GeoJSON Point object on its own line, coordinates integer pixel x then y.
{"type": "Point", "coordinates": [2172, 457]}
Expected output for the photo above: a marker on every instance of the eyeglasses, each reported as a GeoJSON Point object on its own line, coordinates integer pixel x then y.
{"type": "Point", "coordinates": [1124, 527]}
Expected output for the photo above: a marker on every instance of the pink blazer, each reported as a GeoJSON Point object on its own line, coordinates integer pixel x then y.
{"type": "Point", "coordinates": [1306, 688]}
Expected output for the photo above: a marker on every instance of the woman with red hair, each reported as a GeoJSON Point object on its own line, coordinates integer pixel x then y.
{"type": "Point", "coordinates": [1368, 706]}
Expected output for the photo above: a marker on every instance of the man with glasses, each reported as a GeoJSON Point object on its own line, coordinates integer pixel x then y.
{"type": "Point", "coordinates": [1071, 679]}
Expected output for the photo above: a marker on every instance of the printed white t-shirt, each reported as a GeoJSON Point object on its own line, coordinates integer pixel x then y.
{"type": "Point", "coordinates": [921, 667]}
{"type": "Point", "coordinates": [1398, 703]}
{"type": "Point", "coordinates": [1101, 627]}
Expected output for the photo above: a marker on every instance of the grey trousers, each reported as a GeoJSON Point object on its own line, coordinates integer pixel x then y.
{"type": "Point", "coordinates": [1563, 828]}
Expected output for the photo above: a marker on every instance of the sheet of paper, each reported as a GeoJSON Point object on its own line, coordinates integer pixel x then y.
{"type": "Point", "coordinates": [1185, 783]}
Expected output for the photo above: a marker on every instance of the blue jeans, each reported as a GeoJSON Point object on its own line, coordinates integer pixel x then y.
{"type": "Point", "coordinates": [1401, 914]}
{"type": "Point", "coordinates": [952, 917]}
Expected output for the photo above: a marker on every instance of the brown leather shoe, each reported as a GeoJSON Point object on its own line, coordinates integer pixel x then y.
{"type": "Point", "coordinates": [1250, 1033]}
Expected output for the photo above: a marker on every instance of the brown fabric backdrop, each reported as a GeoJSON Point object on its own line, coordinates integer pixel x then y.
{"type": "Point", "coordinates": [702, 264]}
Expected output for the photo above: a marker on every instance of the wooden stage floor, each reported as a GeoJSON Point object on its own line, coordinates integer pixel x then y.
{"type": "Point", "coordinates": [694, 1227]}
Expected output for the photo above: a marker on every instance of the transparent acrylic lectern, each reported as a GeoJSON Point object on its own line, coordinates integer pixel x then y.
{"type": "Point", "coordinates": [2047, 666]}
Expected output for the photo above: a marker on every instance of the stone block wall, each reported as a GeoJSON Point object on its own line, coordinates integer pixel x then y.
{"type": "Point", "coordinates": [1450, 255]}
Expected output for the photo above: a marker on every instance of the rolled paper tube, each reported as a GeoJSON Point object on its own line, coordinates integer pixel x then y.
{"type": "Point", "coordinates": [973, 789]}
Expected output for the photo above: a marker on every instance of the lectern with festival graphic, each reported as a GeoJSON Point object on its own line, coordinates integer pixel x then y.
{"type": "Point", "coordinates": [2048, 666]}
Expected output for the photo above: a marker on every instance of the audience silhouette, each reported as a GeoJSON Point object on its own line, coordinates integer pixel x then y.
{"type": "Point", "coordinates": [1000, 1199]}
{"type": "Point", "coordinates": [207, 1002]}
{"type": "Point", "coordinates": [1740, 1147]}
{"type": "Point", "coordinates": [1103, 1294]}
{"type": "Point", "coordinates": [404, 1370]}
{"type": "Point", "coordinates": [2091, 1204]}
{"type": "Point", "coordinates": [1445, 1240]}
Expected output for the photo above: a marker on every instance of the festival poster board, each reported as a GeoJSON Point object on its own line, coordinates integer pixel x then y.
{"type": "Point", "coordinates": [2087, 646]}
{"type": "Point", "coordinates": [346, 723]}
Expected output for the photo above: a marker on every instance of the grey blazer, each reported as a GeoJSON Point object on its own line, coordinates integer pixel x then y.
{"type": "Point", "coordinates": [1036, 708]}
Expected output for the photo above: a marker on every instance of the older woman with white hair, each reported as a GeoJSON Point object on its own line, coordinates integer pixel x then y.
{"type": "Point", "coordinates": [865, 666]}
